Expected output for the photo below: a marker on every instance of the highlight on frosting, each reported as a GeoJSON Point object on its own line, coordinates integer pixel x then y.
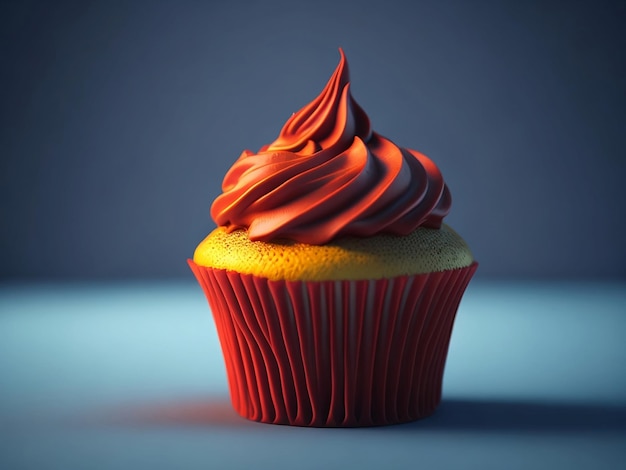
{"type": "Point", "coordinates": [328, 175]}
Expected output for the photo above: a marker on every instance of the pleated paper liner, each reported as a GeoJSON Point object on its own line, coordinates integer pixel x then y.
{"type": "Point", "coordinates": [334, 353]}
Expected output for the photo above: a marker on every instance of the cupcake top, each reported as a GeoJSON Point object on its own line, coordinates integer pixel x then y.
{"type": "Point", "coordinates": [424, 250]}
{"type": "Point", "coordinates": [329, 175]}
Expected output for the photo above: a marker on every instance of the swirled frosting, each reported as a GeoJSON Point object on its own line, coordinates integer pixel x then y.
{"type": "Point", "coordinates": [328, 175]}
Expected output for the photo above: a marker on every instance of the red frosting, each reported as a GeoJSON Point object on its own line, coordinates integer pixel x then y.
{"type": "Point", "coordinates": [329, 175]}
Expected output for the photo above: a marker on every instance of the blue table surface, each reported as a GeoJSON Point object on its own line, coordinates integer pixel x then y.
{"type": "Point", "coordinates": [130, 375]}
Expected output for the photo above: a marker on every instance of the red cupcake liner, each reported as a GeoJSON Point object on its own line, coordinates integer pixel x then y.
{"type": "Point", "coordinates": [334, 353]}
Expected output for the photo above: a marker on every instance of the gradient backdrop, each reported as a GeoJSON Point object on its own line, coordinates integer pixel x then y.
{"type": "Point", "coordinates": [119, 120]}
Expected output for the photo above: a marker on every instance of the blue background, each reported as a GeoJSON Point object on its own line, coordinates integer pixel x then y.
{"type": "Point", "coordinates": [119, 120]}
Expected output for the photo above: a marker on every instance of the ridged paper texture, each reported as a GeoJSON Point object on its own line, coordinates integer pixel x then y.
{"type": "Point", "coordinates": [334, 353]}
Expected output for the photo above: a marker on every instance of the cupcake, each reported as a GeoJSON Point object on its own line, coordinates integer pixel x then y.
{"type": "Point", "coordinates": [331, 277]}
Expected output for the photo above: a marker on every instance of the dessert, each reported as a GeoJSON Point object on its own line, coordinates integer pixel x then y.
{"type": "Point", "coordinates": [331, 277]}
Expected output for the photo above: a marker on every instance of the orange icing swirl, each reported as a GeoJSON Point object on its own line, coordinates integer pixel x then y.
{"type": "Point", "coordinates": [328, 175]}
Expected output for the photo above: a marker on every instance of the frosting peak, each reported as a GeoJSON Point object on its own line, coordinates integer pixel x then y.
{"type": "Point", "coordinates": [328, 175]}
{"type": "Point", "coordinates": [331, 119]}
